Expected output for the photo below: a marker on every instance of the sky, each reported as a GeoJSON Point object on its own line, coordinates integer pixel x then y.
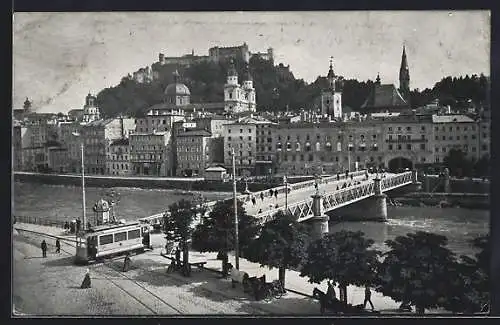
{"type": "Point", "coordinates": [58, 58]}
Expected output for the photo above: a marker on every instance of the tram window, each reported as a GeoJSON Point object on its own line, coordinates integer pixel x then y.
{"type": "Point", "coordinates": [121, 236]}
{"type": "Point", "coordinates": [134, 234]}
{"type": "Point", "coordinates": [105, 239]}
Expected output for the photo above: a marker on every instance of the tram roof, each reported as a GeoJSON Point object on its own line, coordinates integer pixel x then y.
{"type": "Point", "coordinates": [112, 226]}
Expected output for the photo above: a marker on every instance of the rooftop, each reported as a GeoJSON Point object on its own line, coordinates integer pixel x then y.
{"type": "Point", "coordinates": [384, 96]}
{"type": "Point", "coordinates": [195, 133]}
{"type": "Point", "coordinates": [451, 119]}
{"type": "Point", "coordinates": [120, 142]}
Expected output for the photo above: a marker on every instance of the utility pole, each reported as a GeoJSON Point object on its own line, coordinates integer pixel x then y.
{"type": "Point", "coordinates": [286, 193]}
{"type": "Point", "coordinates": [236, 244]}
{"type": "Point", "coordinates": [83, 189]}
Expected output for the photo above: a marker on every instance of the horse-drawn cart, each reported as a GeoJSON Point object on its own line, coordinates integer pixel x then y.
{"type": "Point", "coordinates": [256, 286]}
{"type": "Point", "coordinates": [338, 307]}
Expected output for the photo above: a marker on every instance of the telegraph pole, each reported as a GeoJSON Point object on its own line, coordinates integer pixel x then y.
{"type": "Point", "coordinates": [236, 244]}
{"type": "Point", "coordinates": [83, 189]}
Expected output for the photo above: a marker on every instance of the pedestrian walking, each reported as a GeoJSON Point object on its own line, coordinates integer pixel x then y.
{"type": "Point", "coordinates": [338, 177]}
{"type": "Point", "coordinates": [58, 246]}
{"type": "Point", "coordinates": [44, 248]}
{"type": "Point", "coordinates": [126, 263]}
{"type": "Point", "coordinates": [262, 196]}
{"type": "Point", "coordinates": [78, 223]}
{"type": "Point", "coordinates": [352, 177]}
{"type": "Point", "coordinates": [253, 200]}
{"type": "Point", "coordinates": [271, 193]}
{"type": "Point", "coordinates": [276, 194]}
{"type": "Point", "coordinates": [368, 296]}
{"type": "Point", "coordinates": [178, 257]}
{"type": "Point", "coordinates": [331, 291]}
{"type": "Point", "coordinates": [86, 283]}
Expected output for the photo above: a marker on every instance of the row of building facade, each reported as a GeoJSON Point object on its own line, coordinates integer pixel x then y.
{"type": "Point", "coordinates": [180, 138]}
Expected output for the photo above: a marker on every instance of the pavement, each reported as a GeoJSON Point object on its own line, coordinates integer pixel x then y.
{"type": "Point", "coordinates": [269, 203]}
{"type": "Point", "coordinates": [147, 289]}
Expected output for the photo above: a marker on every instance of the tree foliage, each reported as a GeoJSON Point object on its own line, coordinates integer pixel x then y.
{"type": "Point", "coordinates": [418, 269]}
{"type": "Point", "coordinates": [210, 234]}
{"type": "Point", "coordinates": [178, 221]}
{"type": "Point", "coordinates": [342, 257]}
{"type": "Point", "coordinates": [282, 244]}
{"type": "Point", "coordinates": [459, 165]}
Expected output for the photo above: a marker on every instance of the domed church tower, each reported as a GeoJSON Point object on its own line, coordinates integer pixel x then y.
{"type": "Point", "coordinates": [177, 93]}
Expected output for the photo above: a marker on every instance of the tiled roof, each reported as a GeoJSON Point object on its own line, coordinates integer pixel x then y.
{"type": "Point", "coordinates": [120, 142]}
{"type": "Point", "coordinates": [451, 119]}
{"type": "Point", "coordinates": [99, 122]}
{"type": "Point", "coordinates": [384, 96]}
{"type": "Point", "coordinates": [192, 133]}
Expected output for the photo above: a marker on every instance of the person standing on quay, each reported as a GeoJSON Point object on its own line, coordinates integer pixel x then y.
{"type": "Point", "coordinates": [44, 248]}
{"type": "Point", "coordinates": [86, 280]}
{"type": "Point", "coordinates": [58, 246]}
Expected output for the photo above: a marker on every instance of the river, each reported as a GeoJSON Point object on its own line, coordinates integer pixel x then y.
{"type": "Point", "coordinates": [64, 203]}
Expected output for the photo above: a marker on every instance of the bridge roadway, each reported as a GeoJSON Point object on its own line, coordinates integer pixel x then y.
{"type": "Point", "coordinates": [296, 195]}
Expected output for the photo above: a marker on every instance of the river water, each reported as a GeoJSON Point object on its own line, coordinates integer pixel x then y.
{"type": "Point", "coordinates": [64, 203]}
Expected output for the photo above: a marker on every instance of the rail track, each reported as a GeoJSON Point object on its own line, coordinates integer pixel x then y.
{"type": "Point", "coordinates": [96, 266]}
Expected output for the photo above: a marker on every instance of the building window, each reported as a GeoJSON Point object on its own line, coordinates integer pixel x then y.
{"type": "Point", "coordinates": [390, 147]}
{"type": "Point", "coordinates": [241, 130]}
{"type": "Point", "coordinates": [250, 138]}
{"type": "Point", "coordinates": [408, 147]}
{"type": "Point", "coordinates": [422, 146]}
{"type": "Point", "coordinates": [444, 137]}
{"type": "Point", "coordinates": [311, 158]}
{"type": "Point", "coordinates": [399, 147]}
{"type": "Point", "coordinates": [444, 149]}
{"type": "Point", "coordinates": [422, 128]}
{"type": "Point", "coordinates": [458, 137]}
{"type": "Point", "coordinates": [249, 130]}
{"type": "Point", "coordinates": [408, 128]}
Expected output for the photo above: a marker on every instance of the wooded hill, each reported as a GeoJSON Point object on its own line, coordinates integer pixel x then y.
{"type": "Point", "coordinates": [276, 89]}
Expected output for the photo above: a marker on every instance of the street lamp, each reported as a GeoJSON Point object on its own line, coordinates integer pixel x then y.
{"type": "Point", "coordinates": [236, 244]}
{"type": "Point", "coordinates": [286, 193]}
{"type": "Point", "coordinates": [76, 134]}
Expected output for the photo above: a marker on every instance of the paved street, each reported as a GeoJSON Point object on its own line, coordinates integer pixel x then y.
{"type": "Point", "coordinates": [56, 281]}
{"type": "Point", "coordinates": [294, 196]}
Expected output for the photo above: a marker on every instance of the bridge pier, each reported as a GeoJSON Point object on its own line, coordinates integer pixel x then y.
{"type": "Point", "coordinates": [379, 202]}
{"type": "Point", "coordinates": [319, 220]}
{"type": "Point", "coordinates": [416, 184]}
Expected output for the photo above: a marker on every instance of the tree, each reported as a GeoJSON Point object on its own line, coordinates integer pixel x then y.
{"type": "Point", "coordinates": [216, 232]}
{"type": "Point", "coordinates": [416, 270]}
{"type": "Point", "coordinates": [282, 243]}
{"type": "Point", "coordinates": [177, 225]}
{"type": "Point", "coordinates": [342, 257]}
{"type": "Point", "coordinates": [458, 163]}
{"type": "Point", "coordinates": [475, 275]}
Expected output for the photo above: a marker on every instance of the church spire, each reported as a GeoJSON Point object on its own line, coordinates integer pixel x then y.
{"type": "Point", "coordinates": [232, 69]}
{"type": "Point", "coordinates": [377, 81]}
{"type": "Point", "coordinates": [404, 75]}
{"type": "Point", "coordinates": [331, 76]}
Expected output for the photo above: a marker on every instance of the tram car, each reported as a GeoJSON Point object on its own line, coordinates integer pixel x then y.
{"type": "Point", "coordinates": [110, 240]}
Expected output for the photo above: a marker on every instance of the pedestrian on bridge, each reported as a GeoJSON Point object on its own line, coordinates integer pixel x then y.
{"type": "Point", "coordinates": [271, 193]}
{"type": "Point", "coordinates": [262, 196]}
{"type": "Point", "coordinates": [58, 246]}
{"type": "Point", "coordinates": [44, 248]}
{"type": "Point", "coordinates": [276, 194]}
{"type": "Point", "coordinates": [253, 200]}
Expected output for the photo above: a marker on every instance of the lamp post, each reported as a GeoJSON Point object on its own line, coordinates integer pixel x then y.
{"type": "Point", "coordinates": [76, 134]}
{"type": "Point", "coordinates": [236, 239]}
{"type": "Point", "coordinates": [286, 193]}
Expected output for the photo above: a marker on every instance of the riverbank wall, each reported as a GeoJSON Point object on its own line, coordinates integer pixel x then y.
{"type": "Point", "coordinates": [187, 184]}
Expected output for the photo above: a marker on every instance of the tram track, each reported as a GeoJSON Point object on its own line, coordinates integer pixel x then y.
{"type": "Point", "coordinates": [97, 267]}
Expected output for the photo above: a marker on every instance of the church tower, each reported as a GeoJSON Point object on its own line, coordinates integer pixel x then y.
{"type": "Point", "coordinates": [232, 91]}
{"type": "Point", "coordinates": [404, 77]}
{"type": "Point", "coordinates": [90, 110]}
{"type": "Point", "coordinates": [331, 98]}
{"type": "Point", "coordinates": [249, 91]}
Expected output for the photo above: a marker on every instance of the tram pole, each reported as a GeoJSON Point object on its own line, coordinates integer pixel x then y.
{"type": "Point", "coordinates": [236, 239]}
{"type": "Point", "coordinates": [83, 188]}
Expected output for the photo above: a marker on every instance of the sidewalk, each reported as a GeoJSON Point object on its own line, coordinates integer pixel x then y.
{"type": "Point", "coordinates": [293, 281]}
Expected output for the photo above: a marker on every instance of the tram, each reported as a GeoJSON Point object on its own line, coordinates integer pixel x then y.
{"type": "Point", "coordinates": [110, 240]}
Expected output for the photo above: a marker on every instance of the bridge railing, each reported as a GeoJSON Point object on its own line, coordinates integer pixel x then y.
{"type": "Point", "coordinates": [245, 198]}
{"type": "Point", "coordinates": [394, 181]}
{"type": "Point", "coordinates": [342, 196]}
{"type": "Point", "coordinates": [42, 221]}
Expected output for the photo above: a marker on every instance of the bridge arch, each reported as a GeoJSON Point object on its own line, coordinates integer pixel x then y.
{"type": "Point", "coordinates": [398, 163]}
